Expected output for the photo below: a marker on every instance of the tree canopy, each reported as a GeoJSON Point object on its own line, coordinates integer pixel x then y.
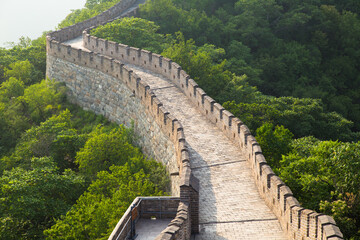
{"type": "Point", "coordinates": [98, 210]}
{"type": "Point", "coordinates": [288, 69]}
{"type": "Point", "coordinates": [56, 157]}
{"type": "Point", "coordinates": [285, 48]}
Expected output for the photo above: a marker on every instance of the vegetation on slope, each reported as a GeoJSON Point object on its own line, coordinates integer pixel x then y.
{"type": "Point", "coordinates": [288, 69]}
{"type": "Point", "coordinates": [91, 9]}
{"type": "Point", "coordinates": [286, 48]}
{"type": "Point", "coordinates": [230, 61]}
{"type": "Point", "coordinates": [61, 167]}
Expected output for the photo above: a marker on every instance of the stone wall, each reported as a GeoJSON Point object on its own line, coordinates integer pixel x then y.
{"type": "Point", "coordinates": [107, 87]}
{"type": "Point", "coordinates": [61, 57]}
{"type": "Point", "coordinates": [145, 207]}
{"type": "Point", "coordinates": [308, 224]}
{"type": "Point", "coordinates": [106, 95]}
{"type": "Point", "coordinates": [75, 30]}
{"type": "Point", "coordinates": [105, 63]}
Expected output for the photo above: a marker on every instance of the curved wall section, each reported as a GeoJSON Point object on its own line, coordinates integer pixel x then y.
{"type": "Point", "coordinates": [99, 81]}
{"type": "Point", "coordinates": [106, 95]}
{"type": "Point", "coordinates": [62, 57]}
{"type": "Point", "coordinates": [107, 87]}
{"type": "Point", "coordinates": [75, 30]}
{"type": "Point", "coordinates": [297, 222]}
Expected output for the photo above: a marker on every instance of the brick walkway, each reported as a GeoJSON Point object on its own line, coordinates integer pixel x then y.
{"type": "Point", "coordinates": [230, 205]}
{"type": "Point", "coordinates": [148, 229]}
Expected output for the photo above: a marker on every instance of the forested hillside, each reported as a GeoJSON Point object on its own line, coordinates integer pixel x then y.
{"type": "Point", "coordinates": [288, 69]}
{"type": "Point", "coordinates": [62, 169]}
{"type": "Point", "coordinates": [303, 57]}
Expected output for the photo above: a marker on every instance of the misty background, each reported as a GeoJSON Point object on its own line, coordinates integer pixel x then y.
{"type": "Point", "coordinates": [31, 18]}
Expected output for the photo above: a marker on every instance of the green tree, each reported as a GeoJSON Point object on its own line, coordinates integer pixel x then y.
{"type": "Point", "coordinates": [199, 63]}
{"type": "Point", "coordinates": [193, 23]}
{"type": "Point", "coordinates": [23, 108]}
{"type": "Point", "coordinates": [103, 150]}
{"type": "Point", "coordinates": [324, 175]}
{"type": "Point", "coordinates": [239, 60]}
{"type": "Point", "coordinates": [303, 117]}
{"type": "Point", "coordinates": [53, 138]}
{"type": "Point", "coordinates": [136, 32]}
{"type": "Point", "coordinates": [31, 199]}
{"type": "Point", "coordinates": [253, 114]}
{"type": "Point", "coordinates": [11, 123]}
{"type": "Point", "coordinates": [92, 9]}
{"type": "Point", "coordinates": [201, 5]}
{"type": "Point", "coordinates": [274, 142]}
{"type": "Point", "coordinates": [98, 210]}
{"type": "Point", "coordinates": [21, 70]}
{"type": "Point", "coordinates": [12, 88]}
{"type": "Point", "coordinates": [26, 51]}
{"type": "Point", "coordinates": [42, 100]}
{"type": "Point", "coordinates": [92, 3]}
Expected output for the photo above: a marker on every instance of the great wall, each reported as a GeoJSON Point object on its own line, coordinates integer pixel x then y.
{"type": "Point", "coordinates": [221, 184]}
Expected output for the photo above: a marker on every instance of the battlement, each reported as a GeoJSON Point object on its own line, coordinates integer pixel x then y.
{"type": "Point", "coordinates": [75, 30]}
{"type": "Point", "coordinates": [277, 195]}
{"type": "Point", "coordinates": [148, 208]}
{"type": "Point", "coordinates": [109, 57]}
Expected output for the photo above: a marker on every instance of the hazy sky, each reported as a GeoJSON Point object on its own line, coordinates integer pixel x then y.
{"type": "Point", "coordinates": [32, 17]}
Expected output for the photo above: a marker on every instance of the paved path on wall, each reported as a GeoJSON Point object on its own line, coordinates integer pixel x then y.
{"type": "Point", "coordinates": [148, 229]}
{"type": "Point", "coordinates": [135, 5]}
{"type": "Point", "coordinates": [230, 206]}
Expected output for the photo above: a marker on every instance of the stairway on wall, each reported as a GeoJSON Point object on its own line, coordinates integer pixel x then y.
{"type": "Point", "coordinates": [230, 206]}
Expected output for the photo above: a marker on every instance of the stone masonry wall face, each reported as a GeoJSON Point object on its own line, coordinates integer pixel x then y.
{"type": "Point", "coordinates": [103, 70]}
{"type": "Point", "coordinates": [155, 111]}
{"type": "Point", "coordinates": [272, 189]}
{"type": "Point", "coordinates": [106, 95]}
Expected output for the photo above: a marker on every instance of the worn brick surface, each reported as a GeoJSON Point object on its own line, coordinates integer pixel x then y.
{"type": "Point", "coordinates": [148, 229]}
{"type": "Point", "coordinates": [230, 205]}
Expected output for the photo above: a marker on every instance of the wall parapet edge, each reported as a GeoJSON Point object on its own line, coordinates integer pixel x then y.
{"type": "Point", "coordinates": [147, 208]}
{"type": "Point", "coordinates": [273, 190]}
{"type": "Point", "coordinates": [75, 30]}
{"type": "Point", "coordinates": [167, 123]}
{"type": "Point", "coordinates": [165, 120]}
{"type": "Point", "coordinates": [107, 57]}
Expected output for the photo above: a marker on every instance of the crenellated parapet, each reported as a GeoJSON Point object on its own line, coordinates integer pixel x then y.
{"type": "Point", "coordinates": [76, 30]}
{"type": "Point", "coordinates": [110, 58]}
{"type": "Point", "coordinates": [187, 186]}
{"type": "Point", "coordinates": [299, 223]}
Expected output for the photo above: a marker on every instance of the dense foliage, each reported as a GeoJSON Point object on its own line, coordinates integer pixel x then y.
{"type": "Point", "coordinates": [286, 48]}
{"type": "Point", "coordinates": [231, 48]}
{"type": "Point", "coordinates": [287, 69]}
{"type": "Point", "coordinates": [91, 9]}
{"type": "Point", "coordinates": [97, 211]}
{"type": "Point", "coordinates": [32, 197]}
{"type": "Point", "coordinates": [132, 31]}
{"type": "Point", "coordinates": [325, 175]}
{"type": "Point", "coordinates": [28, 57]}
{"type": "Point", "coordinates": [59, 164]}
